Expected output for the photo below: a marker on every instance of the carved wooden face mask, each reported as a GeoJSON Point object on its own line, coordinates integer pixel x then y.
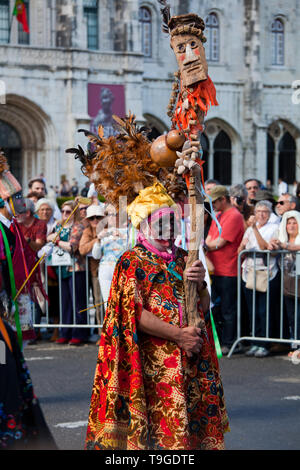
{"type": "Point", "coordinates": [190, 55]}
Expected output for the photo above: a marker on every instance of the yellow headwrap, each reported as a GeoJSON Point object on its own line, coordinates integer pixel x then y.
{"type": "Point", "coordinates": [148, 201]}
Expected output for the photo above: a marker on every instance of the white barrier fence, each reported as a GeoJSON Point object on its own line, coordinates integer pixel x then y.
{"type": "Point", "coordinates": [263, 290]}
{"type": "Point", "coordinates": [254, 315]}
{"type": "Point", "coordinates": [89, 308]}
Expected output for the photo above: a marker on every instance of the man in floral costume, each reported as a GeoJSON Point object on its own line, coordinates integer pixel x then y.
{"type": "Point", "coordinates": [157, 383]}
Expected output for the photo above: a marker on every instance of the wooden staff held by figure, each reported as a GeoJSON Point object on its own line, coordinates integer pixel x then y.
{"type": "Point", "coordinates": [194, 93]}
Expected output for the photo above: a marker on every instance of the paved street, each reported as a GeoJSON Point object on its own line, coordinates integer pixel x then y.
{"type": "Point", "coordinates": [262, 395]}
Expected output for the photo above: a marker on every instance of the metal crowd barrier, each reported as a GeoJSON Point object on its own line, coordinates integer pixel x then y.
{"type": "Point", "coordinates": [256, 254]}
{"type": "Point", "coordinates": [91, 310]}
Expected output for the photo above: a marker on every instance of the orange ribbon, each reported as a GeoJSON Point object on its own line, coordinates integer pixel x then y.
{"type": "Point", "coordinates": [5, 335]}
{"type": "Point", "coordinates": [204, 95]}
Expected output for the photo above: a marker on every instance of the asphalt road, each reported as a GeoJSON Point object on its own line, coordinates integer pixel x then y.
{"type": "Point", "coordinates": [262, 396]}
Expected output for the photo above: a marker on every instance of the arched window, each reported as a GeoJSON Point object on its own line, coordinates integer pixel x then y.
{"type": "Point", "coordinates": [4, 21]}
{"type": "Point", "coordinates": [145, 18]}
{"type": "Point", "coordinates": [281, 153]}
{"type": "Point", "coordinates": [222, 158]}
{"type": "Point", "coordinates": [90, 11]}
{"type": "Point", "coordinates": [212, 47]}
{"type": "Point", "coordinates": [277, 42]}
{"type": "Point", "coordinates": [287, 158]}
{"type": "Point", "coordinates": [23, 37]}
{"type": "Point", "coordinates": [10, 142]}
{"type": "Point", "coordinates": [205, 147]}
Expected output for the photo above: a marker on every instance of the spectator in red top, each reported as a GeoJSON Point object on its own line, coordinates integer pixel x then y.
{"type": "Point", "coordinates": [35, 233]}
{"type": "Point", "coordinates": [222, 251]}
{"type": "Point", "coordinates": [33, 229]}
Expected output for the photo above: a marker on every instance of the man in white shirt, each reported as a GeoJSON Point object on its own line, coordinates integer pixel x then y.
{"type": "Point", "coordinates": [282, 187]}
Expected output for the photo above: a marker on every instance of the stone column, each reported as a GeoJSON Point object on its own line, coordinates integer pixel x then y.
{"type": "Point", "coordinates": [211, 163]}
{"type": "Point", "coordinates": [253, 95]}
{"type": "Point", "coordinates": [79, 33]}
{"type": "Point", "coordinates": [261, 152]}
{"type": "Point", "coordinates": [65, 22]}
{"type": "Point", "coordinates": [126, 26]}
{"type": "Point", "coordinates": [276, 164]}
{"type": "Point", "coordinates": [184, 7]}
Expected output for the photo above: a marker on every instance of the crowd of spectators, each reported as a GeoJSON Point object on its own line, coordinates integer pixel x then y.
{"type": "Point", "coordinates": [247, 216]}
{"type": "Point", "coordinates": [37, 189]}
{"type": "Point", "coordinates": [251, 217]}
{"type": "Point", "coordinates": [74, 236]}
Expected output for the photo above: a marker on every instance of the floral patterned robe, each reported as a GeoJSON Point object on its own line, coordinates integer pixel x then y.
{"type": "Point", "coordinates": [147, 394]}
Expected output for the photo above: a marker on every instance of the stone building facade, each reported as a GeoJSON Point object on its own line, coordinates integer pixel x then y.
{"type": "Point", "coordinates": [50, 79]}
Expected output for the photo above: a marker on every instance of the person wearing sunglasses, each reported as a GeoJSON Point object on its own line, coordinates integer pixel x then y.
{"type": "Point", "coordinates": [112, 243]}
{"type": "Point", "coordinates": [82, 210]}
{"type": "Point", "coordinates": [286, 202]}
{"type": "Point", "coordinates": [222, 252]}
{"type": "Point", "coordinates": [68, 241]}
{"type": "Point", "coordinates": [289, 239]}
{"type": "Point", "coordinates": [94, 214]}
{"type": "Point", "coordinates": [238, 198]}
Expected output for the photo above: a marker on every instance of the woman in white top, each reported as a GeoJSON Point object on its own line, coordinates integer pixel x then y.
{"type": "Point", "coordinates": [44, 209]}
{"type": "Point", "coordinates": [113, 242]}
{"type": "Point", "coordinates": [256, 237]}
{"type": "Point", "coordinates": [289, 239]}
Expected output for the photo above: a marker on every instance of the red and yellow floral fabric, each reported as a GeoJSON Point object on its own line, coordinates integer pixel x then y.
{"type": "Point", "coordinates": [147, 394]}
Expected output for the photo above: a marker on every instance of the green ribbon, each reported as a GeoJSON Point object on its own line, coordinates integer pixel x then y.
{"type": "Point", "coordinates": [13, 286]}
{"type": "Point", "coordinates": [132, 237]}
{"type": "Point", "coordinates": [216, 339]}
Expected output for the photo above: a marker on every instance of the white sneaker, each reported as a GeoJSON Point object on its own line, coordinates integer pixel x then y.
{"type": "Point", "coordinates": [251, 351]}
{"type": "Point", "coordinates": [262, 352]}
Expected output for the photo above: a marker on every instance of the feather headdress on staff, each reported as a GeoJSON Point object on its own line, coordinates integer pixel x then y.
{"type": "Point", "coordinates": [118, 165]}
{"type": "Point", "coordinates": [166, 15]}
{"type": "Point", "coordinates": [121, 166]}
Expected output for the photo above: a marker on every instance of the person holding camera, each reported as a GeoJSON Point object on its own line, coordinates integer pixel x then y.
{"type": "Point", "coordinates": [221, 250]}
{"type": "Point", "coordinates": [238, 198]}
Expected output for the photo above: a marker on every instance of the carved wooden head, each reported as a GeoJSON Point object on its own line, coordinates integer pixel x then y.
{"type": "Point", "coordinates": [187, 43]}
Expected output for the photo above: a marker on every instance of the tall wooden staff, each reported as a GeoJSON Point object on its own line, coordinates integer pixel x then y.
{"type": "Point", "coordinates": [193, 95]}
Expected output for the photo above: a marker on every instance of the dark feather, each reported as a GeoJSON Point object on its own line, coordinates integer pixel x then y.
{"type": "Point", "coordinates": [166, 15]}
{"type": "Point", "coordinates": [79, 153]}
{"type": "Point", "coordinates": [72, 150]}
{"type": "Point", "coordinates": [145, 130]}
{"type": "Point", "coordinates": [91, 155]}
{"type": "Point", "coordinates": [88, 133]}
